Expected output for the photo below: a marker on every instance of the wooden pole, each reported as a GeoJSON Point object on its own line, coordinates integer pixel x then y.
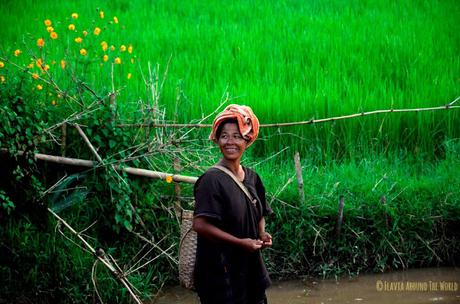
{"type": "Point", "coordinates": [298, 170]}
{"type": "Point", "coordinates": [338, 224]}
{"type": "Point", "coordinates": [383, 200]}
{"type": "Point", "coordinates": [177, 190]}
{"type": "Point", "coordinates": [63, 139]}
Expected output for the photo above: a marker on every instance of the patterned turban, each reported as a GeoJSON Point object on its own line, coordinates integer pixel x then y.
{"type": "Point", "coordinates": [248, 124]}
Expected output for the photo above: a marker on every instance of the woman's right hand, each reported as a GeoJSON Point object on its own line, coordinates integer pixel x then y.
{"type": "Point", "coordinates": [251, 245]}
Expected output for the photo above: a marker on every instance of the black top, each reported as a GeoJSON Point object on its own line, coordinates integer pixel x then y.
{"type": "Point", "coordinates": [226, 273]}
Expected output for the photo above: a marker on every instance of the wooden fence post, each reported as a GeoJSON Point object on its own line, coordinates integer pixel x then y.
{"type": "Point", "coordinates": [298, 170]}
{"type": "Point", "coordinates": [177, 190]}
{"type": "Point", "coordinates": [63, 139]}
{"type": "Point", "coordinates": [383, 200]}
{"type": "Point", "coordinates": [338, 224]}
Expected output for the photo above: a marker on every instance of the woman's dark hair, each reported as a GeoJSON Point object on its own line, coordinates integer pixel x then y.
{"type": "Point", "coordinates": [221, 125]}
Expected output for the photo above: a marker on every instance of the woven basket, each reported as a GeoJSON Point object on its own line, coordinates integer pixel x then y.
{"type": "Point", "coordinates": [187, 250]}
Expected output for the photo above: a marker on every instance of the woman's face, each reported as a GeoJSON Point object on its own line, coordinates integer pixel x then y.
{"type": "Point", "coordinates": [231, 143]}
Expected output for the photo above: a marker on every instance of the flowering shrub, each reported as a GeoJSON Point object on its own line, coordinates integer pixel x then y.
{"type": "Point", "coordinates": [68, 66]}
{"type": "Point", "coordinates": [66, 53]}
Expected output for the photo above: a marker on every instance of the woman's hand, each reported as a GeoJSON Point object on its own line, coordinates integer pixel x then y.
{"type": "Point", "coordinates": [266, 239]}
{"type": "Point", "coordinates": [251, 245]}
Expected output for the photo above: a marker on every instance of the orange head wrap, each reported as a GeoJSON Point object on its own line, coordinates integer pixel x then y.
{"type": "Point", "coordinates": [248, 124]}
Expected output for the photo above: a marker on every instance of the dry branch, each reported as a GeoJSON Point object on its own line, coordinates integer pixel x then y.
{"type": "Point", "coordinates": [88, 143]}
{"type": "Point", "coordinates": [101, 257]}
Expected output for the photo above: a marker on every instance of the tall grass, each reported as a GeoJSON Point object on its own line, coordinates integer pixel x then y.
{"type": "Point", "coordinates": [290, 60]}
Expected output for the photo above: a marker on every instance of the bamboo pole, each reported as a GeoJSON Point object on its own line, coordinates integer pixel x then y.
{"type": "Point", "coordinates": [100, 255]}
{"type": "Point", "coordinates": [298, 170]}
{"type": "Point", "coordinates": [306, 122]}
{"type": "Point", "coordinates": [130, 170]}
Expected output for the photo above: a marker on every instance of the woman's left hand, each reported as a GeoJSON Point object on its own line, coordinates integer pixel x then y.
{"type": "Point", "coordinates": [266, 238]}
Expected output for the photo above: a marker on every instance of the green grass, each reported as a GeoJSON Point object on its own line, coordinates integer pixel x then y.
{"type": "Point", "coordinates": [289, 60]}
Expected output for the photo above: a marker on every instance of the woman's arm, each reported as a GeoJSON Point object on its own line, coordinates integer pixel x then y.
{"type": "Point", "coordinates": [264, 236]}
{"type": "Point", "coordinates": [203, 227]}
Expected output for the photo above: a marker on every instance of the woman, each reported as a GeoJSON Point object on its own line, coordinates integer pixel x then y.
{"type": "Point", "coordinates": [231, 229]}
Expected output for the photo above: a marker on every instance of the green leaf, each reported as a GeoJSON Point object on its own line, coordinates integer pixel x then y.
{"type": "Point", "coordinates": [112, 143]}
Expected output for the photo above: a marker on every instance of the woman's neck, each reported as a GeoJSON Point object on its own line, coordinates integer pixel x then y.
{"type": "Point", "coordinates": [233, 166]}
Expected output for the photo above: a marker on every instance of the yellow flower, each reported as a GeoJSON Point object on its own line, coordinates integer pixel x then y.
{"type": "Point", "coordinates": [53, 102]}
{"type": "Point", "coordinates": [48, 22]}
{"type": "Point", "coordinates": [74, 16]}
{"type": "Point", "coordinates": [130, 49]}
{"type": "Point", "coordinates": [72, 27]}
{"type": "Point", "coordinates": [54, 35]}
{"type": "Point", "coordinates": [105, 58]}
{"type": "Point", "coordinates": [17, 52]}
{"type": "Point", "coordinates": [40, 42]}
{"type": "Point", "coordinates": [31, 65]}
{"type": "Point", "coordinates": [83, 52]}
{"type": "Point", "coordinates": [2, 79]}
{"type": "Point", "coordinates": [101, 14]}
{"type": "Point", "coordinates": [132, 60]}
{"type": "Point", "coordinates": [169, 179]}
{"type": "Point", "coordinates": [39, 63]}
{"type": "Point", "coordinates": [46, 67]}
{"type": "Point", "coordinates": [97, 31]}
{"type": "Point", "coordinates": [62, 64]}
{"type": "Point", "coordinates": [104, 46]}
{"type": "Point", "coordinates": [117, 60]}
{"type": "Point", "coordinates": [2, 64]}
{"type": "Point", "coordinates": [85, 33]}
{"type": "Point", "coordinates": [78, 40]}
{"type": "Point", "coordinates": [123, 48]}
{"type": "Point", "coordinates": [115, 19]}
{"type": "Point", "coordinates": [39, 87]}
{"type": "Point", "coordinates": [50, 29]}
{"type": "Point", "coordinates": [112, 48]}
{"type": "Point", "coordinates": [129, 76]}
{"type": "Point", "coordinates": [35, 76]}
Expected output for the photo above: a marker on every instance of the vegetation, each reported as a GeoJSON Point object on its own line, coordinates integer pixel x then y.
{"type": "Point", "coordinates": [87, 64]}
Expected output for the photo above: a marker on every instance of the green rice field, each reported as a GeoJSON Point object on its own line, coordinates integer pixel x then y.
{"type": "Point", "coordinates": [289, 60]}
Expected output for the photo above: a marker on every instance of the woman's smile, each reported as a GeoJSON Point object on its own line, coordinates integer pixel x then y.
{"type": "Point", "coordinates": [231, 143]}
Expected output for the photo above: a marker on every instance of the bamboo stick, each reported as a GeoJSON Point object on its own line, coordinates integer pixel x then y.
{"type": "Point", "coordinates": [297, 123]}
{"type": "Point", "coordinates": [129, 170]}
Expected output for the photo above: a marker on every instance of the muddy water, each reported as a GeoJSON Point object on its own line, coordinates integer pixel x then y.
{"type": "Point", "coordinates": [429, 285]}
